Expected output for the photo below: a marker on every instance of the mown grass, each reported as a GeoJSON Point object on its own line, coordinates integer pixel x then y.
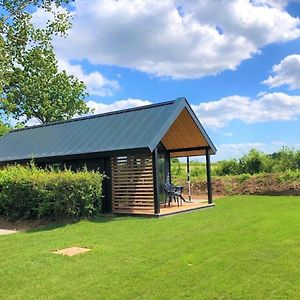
{"type": "Point", "coordinates": [247, 247]}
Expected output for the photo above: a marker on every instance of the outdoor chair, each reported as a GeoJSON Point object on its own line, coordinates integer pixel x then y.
{"type": "Point", "coordinates": [173, 192]}
{"type": "Point", "coordinates": [178, 192]}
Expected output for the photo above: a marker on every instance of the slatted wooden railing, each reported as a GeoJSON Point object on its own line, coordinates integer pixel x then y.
{"type": "Point", "coordinates": [132, 184]}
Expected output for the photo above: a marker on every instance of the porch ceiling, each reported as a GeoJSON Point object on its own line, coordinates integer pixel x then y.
{"type": "Point", "coordinates": [184, 134]}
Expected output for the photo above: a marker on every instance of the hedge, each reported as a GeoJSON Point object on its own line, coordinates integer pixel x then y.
{"type": "Point", "coordinates": [27, 192]}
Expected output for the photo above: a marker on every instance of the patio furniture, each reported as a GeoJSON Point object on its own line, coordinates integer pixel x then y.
{"type": "Point", "coordinates": [173, 192]}
{"type": "Point", "coordinates": [179, 191]}
{"type": "Point", "coordinates": [170, 190]}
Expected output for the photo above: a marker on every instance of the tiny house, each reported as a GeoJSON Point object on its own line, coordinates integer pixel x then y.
{"type": "Point", "coordinates": [133, 147]}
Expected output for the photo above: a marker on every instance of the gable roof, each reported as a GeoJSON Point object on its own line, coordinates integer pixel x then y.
{"type": "Point", "coordinates": [137, 128]}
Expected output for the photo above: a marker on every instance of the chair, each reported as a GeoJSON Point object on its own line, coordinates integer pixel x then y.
{"type": "Point", "coordinates": [173, 192]}
{"type": "Point", "coordinates": [178, 191]}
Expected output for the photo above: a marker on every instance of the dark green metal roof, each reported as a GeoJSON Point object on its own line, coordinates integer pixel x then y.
{"type": "Point", "coordinates": [137, 128]}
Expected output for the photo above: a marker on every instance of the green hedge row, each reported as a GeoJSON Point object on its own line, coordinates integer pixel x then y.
{"type": "Point", "coordinates": [32, 193]}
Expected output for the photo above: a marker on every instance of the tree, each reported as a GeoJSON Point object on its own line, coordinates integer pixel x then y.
{"type": "Point", "coordinates": [285, 159]}
{"type": "Point", "coordinates": [4, 128]}
{"type": "Point", "coordinates": [228, 167]}
{"type": "Point", "coordinates": [252, 162]}
{"type": "Point", "coordinates": [31, 85]}
{"type": "Point", "coordinates": [38, 90]}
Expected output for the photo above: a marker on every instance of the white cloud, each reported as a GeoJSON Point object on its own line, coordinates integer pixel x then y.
{"type": "Point", "coordinates": [202, 38]}
{"type": "Point", "coordinates": [281, 4]}
{"type": "Point", "coordinates": [96, 83]}
{"type": "Point", "coordinates": [33, 122]}
{"type": "Point", "coordinates": [229, 134]}
{"type": "Point", "coordinates": [99, 107]}
{"type": "Point", "coordinates": [269, 107]}
{"type": "Point", "coordinates": [287, 72]}
{"type": "Point", "coordinates": [237, 150]}
{"type": "Point", "coordinates": [40, 17]}
{"type": "Point", "coordinates": [226, 151]}
{"type": "Point", "coordinates": [218, 114]}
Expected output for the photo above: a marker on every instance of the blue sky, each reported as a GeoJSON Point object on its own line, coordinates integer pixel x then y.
{"type": "Point", "coordinates": [237, 62]}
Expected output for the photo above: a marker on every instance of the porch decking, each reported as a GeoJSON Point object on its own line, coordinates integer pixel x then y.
{"type": "Point", "coordinates": [195, 204]}
{"type": "Point", "coordinates": [185, 207]}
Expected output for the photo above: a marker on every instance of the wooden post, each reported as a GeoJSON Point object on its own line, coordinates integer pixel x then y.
{"type": "Point", "coordinates": [155, 182]}
{"type": "Point", "coordinates": [188, 175]}
{"type": "Point", "coordinates": [208, 176]}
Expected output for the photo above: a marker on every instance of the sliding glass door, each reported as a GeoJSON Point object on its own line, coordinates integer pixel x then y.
{"type": "Point", "coordinates": [163, 165]}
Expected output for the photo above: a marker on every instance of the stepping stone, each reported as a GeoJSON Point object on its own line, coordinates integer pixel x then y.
{"type": "Point", "coordinates": [72, 251]}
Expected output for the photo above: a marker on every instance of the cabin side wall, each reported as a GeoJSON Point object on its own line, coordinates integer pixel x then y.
{"type": "Point", "coordinates": [132, 184]}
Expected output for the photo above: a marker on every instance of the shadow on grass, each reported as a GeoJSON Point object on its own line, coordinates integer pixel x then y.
{"type": "Point", "coordinates": [59, 223]}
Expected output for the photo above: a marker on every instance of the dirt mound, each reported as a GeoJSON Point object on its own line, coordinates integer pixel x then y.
{"type": "Point", "coordinates": [267, 184]}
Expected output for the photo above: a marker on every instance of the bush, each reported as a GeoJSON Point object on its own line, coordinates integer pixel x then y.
{"type": "Point", "coordinates": [289, 176]}
{"type": "Point", "coordinates": [198, 171]}
{"type": "Point", "coordinates": [243, 177]}
{"type": "Point", "coordinates": [227, 167]}
{"type": "Point", "coordinates": [176, 168]}
{"type": "Point", "coordinates": [252, 162]}
{"type": "Point", "coordinates": [32, 193]}
{"type": "Point", "coordinates": [286, 159]}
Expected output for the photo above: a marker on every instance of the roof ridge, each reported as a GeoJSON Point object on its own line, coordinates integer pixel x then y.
{"type": "Point", "coordinates": [109, 113]}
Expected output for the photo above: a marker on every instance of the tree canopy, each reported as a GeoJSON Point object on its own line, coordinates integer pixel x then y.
{"type": "Point", "coordinates": [4, 128]}
{"type": "Point", "coordinates": [31, 85]}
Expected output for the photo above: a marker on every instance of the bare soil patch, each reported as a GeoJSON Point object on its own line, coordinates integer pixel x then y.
{"type": "Point", "coordinates": [24, 225]}
{"type": "Point", "coordinates": [5, 231]}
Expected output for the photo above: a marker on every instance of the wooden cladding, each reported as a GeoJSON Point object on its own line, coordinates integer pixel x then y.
{"type": "Point", "coordinates": [132, 183]}
{"type": "Point", "coordinates": [184, 133]}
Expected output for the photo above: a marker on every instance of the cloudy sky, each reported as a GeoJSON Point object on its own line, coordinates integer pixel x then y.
{"type": "Point", "coordinates": [237, 62]}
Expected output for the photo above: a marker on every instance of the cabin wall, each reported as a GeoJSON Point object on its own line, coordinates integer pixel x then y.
{"type": "Point", "coordinates": [132, 184]}
{"type": "Point", "coordinates": [76, 164]}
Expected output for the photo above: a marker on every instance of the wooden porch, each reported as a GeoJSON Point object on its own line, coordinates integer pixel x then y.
{"type": "Point", "coordinates": [138, 187]}
{"type": "Point", "coordinates": [193, 205]}
{"type": "Point", "coordinates": [139, 181]}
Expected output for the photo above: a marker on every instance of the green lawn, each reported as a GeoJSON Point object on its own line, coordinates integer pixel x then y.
{"type": "Point", "coordinates": [247, 247]}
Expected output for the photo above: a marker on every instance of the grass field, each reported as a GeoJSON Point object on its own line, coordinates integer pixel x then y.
{"type": "Point", "coordinates": [247, 247]}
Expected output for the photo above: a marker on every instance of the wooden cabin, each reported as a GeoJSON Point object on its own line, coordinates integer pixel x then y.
{"type": "Point", "coordinates": [132, 147]}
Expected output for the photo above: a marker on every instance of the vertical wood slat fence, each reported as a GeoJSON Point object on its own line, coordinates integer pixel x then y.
{"type": "Point", "coordinates": [132, 184]}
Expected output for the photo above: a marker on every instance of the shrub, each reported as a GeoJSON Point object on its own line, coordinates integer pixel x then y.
{"type": "Point", "coordinates": [286, 159]}
{"type": "Point", "coordinates": [198, 171]}
{"type": "Point", "coordinates": [289, 176]}
{"type": "Point", "coordinates": [227, 167]}
{"type": "Point", "coordinates": [243, 177]}
{"type": "Point", "coordinates": [252, 162]}
{"type": "Point", "coordinates": [176, 169]}
{"type": "Point", "coordinates": [31, 193]}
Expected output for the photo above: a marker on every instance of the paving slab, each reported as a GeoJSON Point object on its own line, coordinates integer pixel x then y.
{"type": "Point", "coordinates": [72, 251]}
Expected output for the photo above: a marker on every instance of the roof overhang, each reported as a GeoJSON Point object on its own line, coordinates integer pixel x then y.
{"type": "Point", "coordinates": [186, 136]}
{"type": "Point", "coordinates": [91, 155]}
